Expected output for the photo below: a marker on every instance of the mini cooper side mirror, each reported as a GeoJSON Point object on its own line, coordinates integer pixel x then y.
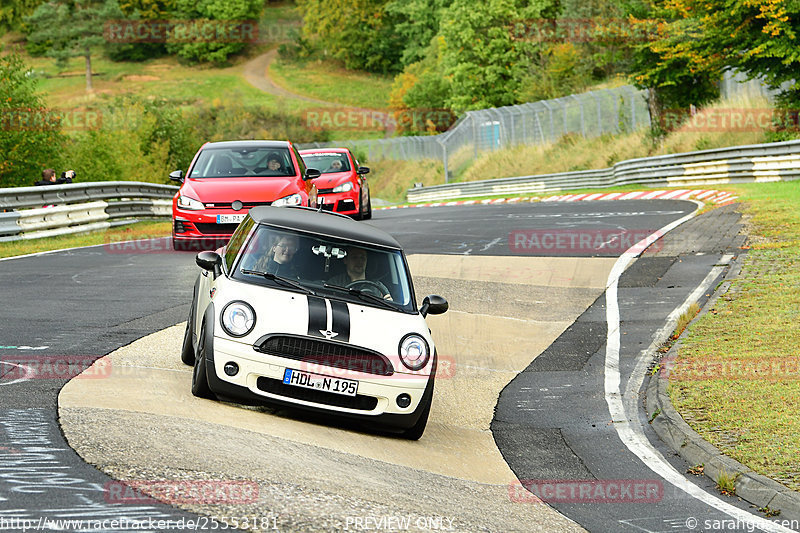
{"type": "Point", "coordinates": [176, 175]}
{"type": "Point", "coordinates": [210, 261]}
{"type": "Point", "coordinates": [312, 173]}
{"type": "Point", "coordinates": [433, 305]}
{"type": "Point", "coordinates": [362, 170]}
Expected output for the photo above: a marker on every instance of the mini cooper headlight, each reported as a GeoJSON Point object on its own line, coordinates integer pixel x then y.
{"type": "Point", "coordinates": [186, 202]}
{"type": "Point", "coordinates": [344, 187]}
{"type": "Point", "coordinates": [238, 319]}
{"type": "Point", "coordinates": [293, 199]}
{"type": "Point", "coordinates": [413, 351]}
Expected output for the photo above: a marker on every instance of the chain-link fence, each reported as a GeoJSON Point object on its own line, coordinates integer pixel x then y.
{"type": "Point", "coordinates": [736, 83]}
{"type": "Point", "coordinates": [590, 114]}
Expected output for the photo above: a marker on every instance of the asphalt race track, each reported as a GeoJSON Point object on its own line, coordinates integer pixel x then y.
{"type": "Point", "coordinates": [527, 325]}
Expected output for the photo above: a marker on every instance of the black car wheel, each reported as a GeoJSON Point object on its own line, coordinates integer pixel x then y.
{"type": "Point", "coordinates": [200, 386]}
{"type": "Point", "coordinates": [187, 351]}
{"type": "Point", "coordinates": [368, 214]}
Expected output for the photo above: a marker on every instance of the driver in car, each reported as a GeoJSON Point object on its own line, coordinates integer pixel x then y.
{"type": "Point", "coordinates": [355, 263]}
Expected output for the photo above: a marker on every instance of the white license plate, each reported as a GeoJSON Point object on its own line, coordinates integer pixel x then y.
{"type": "Point", "coordinates": [230, 219]}
{"type": "Point", "coordinates": [346, 387]}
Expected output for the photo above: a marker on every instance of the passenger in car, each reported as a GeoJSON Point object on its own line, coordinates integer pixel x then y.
{"type": "Point", "coordinates": [279, 259]}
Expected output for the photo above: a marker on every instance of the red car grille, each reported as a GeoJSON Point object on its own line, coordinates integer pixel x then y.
{"type": "Point", "coordinates": [215, 229]}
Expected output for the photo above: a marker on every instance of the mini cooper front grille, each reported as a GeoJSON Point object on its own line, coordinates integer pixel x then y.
{"type": "Point", "coordinates": [215, 229]}
{"type": "Point", "coordinates": [277, 387]}
{"type": "Point", "coordinates": [317, 352]}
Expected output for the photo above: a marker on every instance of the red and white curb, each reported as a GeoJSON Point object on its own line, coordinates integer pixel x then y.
{"type": "Point", "coordinates": [710, 196]}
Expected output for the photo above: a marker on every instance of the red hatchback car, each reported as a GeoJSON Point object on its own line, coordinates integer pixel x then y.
{"type": "Point", "coordinates": [226, 179]}
{"type": "Point", "coordinates": [343, 185]}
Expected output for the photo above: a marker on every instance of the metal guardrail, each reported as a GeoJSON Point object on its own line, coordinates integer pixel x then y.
{"type": "Point", "coordinates": [36, 212]}
{"type": "Point", "coordinates": [751, 163]}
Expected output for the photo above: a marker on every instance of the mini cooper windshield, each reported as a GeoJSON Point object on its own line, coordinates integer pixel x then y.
{"type": "Point", "coordinates": [337, 268]}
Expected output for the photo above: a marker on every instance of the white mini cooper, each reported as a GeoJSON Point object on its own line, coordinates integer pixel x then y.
{"type": "Point", "coordinates": [313, 310]}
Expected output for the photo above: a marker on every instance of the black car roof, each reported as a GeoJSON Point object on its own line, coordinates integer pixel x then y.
{"type": "Point", "coordinates": [324, 224]}
{"type": "Point", "coordinates": [248, 144]}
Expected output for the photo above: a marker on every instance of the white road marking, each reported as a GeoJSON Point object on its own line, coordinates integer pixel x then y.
{"type": "Point", "coordinates": [628, 426]}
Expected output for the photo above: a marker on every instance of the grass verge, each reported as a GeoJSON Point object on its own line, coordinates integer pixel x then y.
{"type": "Point", "coordinates": [737, 378]}
{"type": "Point", "coordinates": [328, 81]}
{"type": "Point", "coordinates": [140, 230]}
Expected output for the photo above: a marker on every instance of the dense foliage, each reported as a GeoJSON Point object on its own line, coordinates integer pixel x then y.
{"type": "Point", "coordinates": [464, 55]}
{"type": "Point", "coordinates": [30, 137]}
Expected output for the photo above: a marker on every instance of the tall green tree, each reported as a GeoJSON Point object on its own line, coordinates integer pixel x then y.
{"type": "Point", "coordinates": [196, 47]}
{"type": "Point", "coordinates": [73, 27]}
{"type": "Point", "coordinates": [361, 33]}
{"type": "Point", "coordinates": [481, 56]}
{"type": "Point", "coordinates": [30, 137]}
{"type": "Point", "coordinates": [758, 37]}
{"type": "Point", "coordinates": [417, 22]}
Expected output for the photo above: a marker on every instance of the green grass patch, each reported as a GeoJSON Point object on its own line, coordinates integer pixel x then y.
{"type": "Point", "coordinates": [327, 80]}
{"type": "Point", "coordinates": [737, 376]}
{"type": "Point", "coordinates": [140, 230]}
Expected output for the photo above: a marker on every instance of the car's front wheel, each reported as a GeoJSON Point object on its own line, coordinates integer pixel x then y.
{"type": "Point", "coordinates": [368, 214]}
{"type": "Point", "coordinates": [187, 351]}
{"type": "Point", "coordinates": [200, 386]}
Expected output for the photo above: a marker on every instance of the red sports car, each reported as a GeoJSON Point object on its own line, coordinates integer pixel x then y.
{"type": "Point", "coordinates": [226, 179]}
{"type": "Point", "coordinates": [343, 185]}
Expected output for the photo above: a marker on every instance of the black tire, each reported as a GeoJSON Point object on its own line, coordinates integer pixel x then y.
{"type": "Point", "coordinates": [187, 351]}
{"type": "Point", "coordinates": [200, 386]}
{"type": "Point", "coordinates": [368, 214]}
{"type": "Point", "coordinates": [416, 431]}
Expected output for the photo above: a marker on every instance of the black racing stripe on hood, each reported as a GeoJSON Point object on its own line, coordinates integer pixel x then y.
{"type": "Point", "coordinates": [341, 320]}
{"type": "Point", "coordinates": [317, 316]}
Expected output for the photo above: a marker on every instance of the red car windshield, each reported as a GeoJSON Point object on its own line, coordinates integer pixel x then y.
{"type": "Point", "coordinates": [243, 162]}
{"type": "Point", "coordinates": [327, 162]}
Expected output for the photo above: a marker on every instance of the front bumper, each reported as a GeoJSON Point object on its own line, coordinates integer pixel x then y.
{"type": "Point", "coordinates": [345, 203]}
{"type": "Point", "coordinates": [260, 376]}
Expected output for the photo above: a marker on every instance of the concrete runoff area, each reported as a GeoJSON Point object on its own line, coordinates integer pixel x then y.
{"type": "Point", "coordinates": [316, 473]}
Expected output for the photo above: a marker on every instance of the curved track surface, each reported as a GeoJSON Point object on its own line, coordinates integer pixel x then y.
{"type": "Point", "coordinates": [507, 307]}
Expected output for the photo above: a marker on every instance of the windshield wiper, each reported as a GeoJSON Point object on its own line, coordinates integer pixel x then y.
{"type": "Point", "coordinates": [280, 279]}
{"type": "Point", "coordinates": [363, 295]}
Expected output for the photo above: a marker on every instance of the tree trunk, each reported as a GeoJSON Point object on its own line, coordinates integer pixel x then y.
{"type": "Point", "coordinates": [654, 106]}
{"type": "Point", "coordinates": [88, 57]}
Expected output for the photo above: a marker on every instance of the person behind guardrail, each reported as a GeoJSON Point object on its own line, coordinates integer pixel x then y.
{"type": "Point", "coordinates": [48, 177]}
